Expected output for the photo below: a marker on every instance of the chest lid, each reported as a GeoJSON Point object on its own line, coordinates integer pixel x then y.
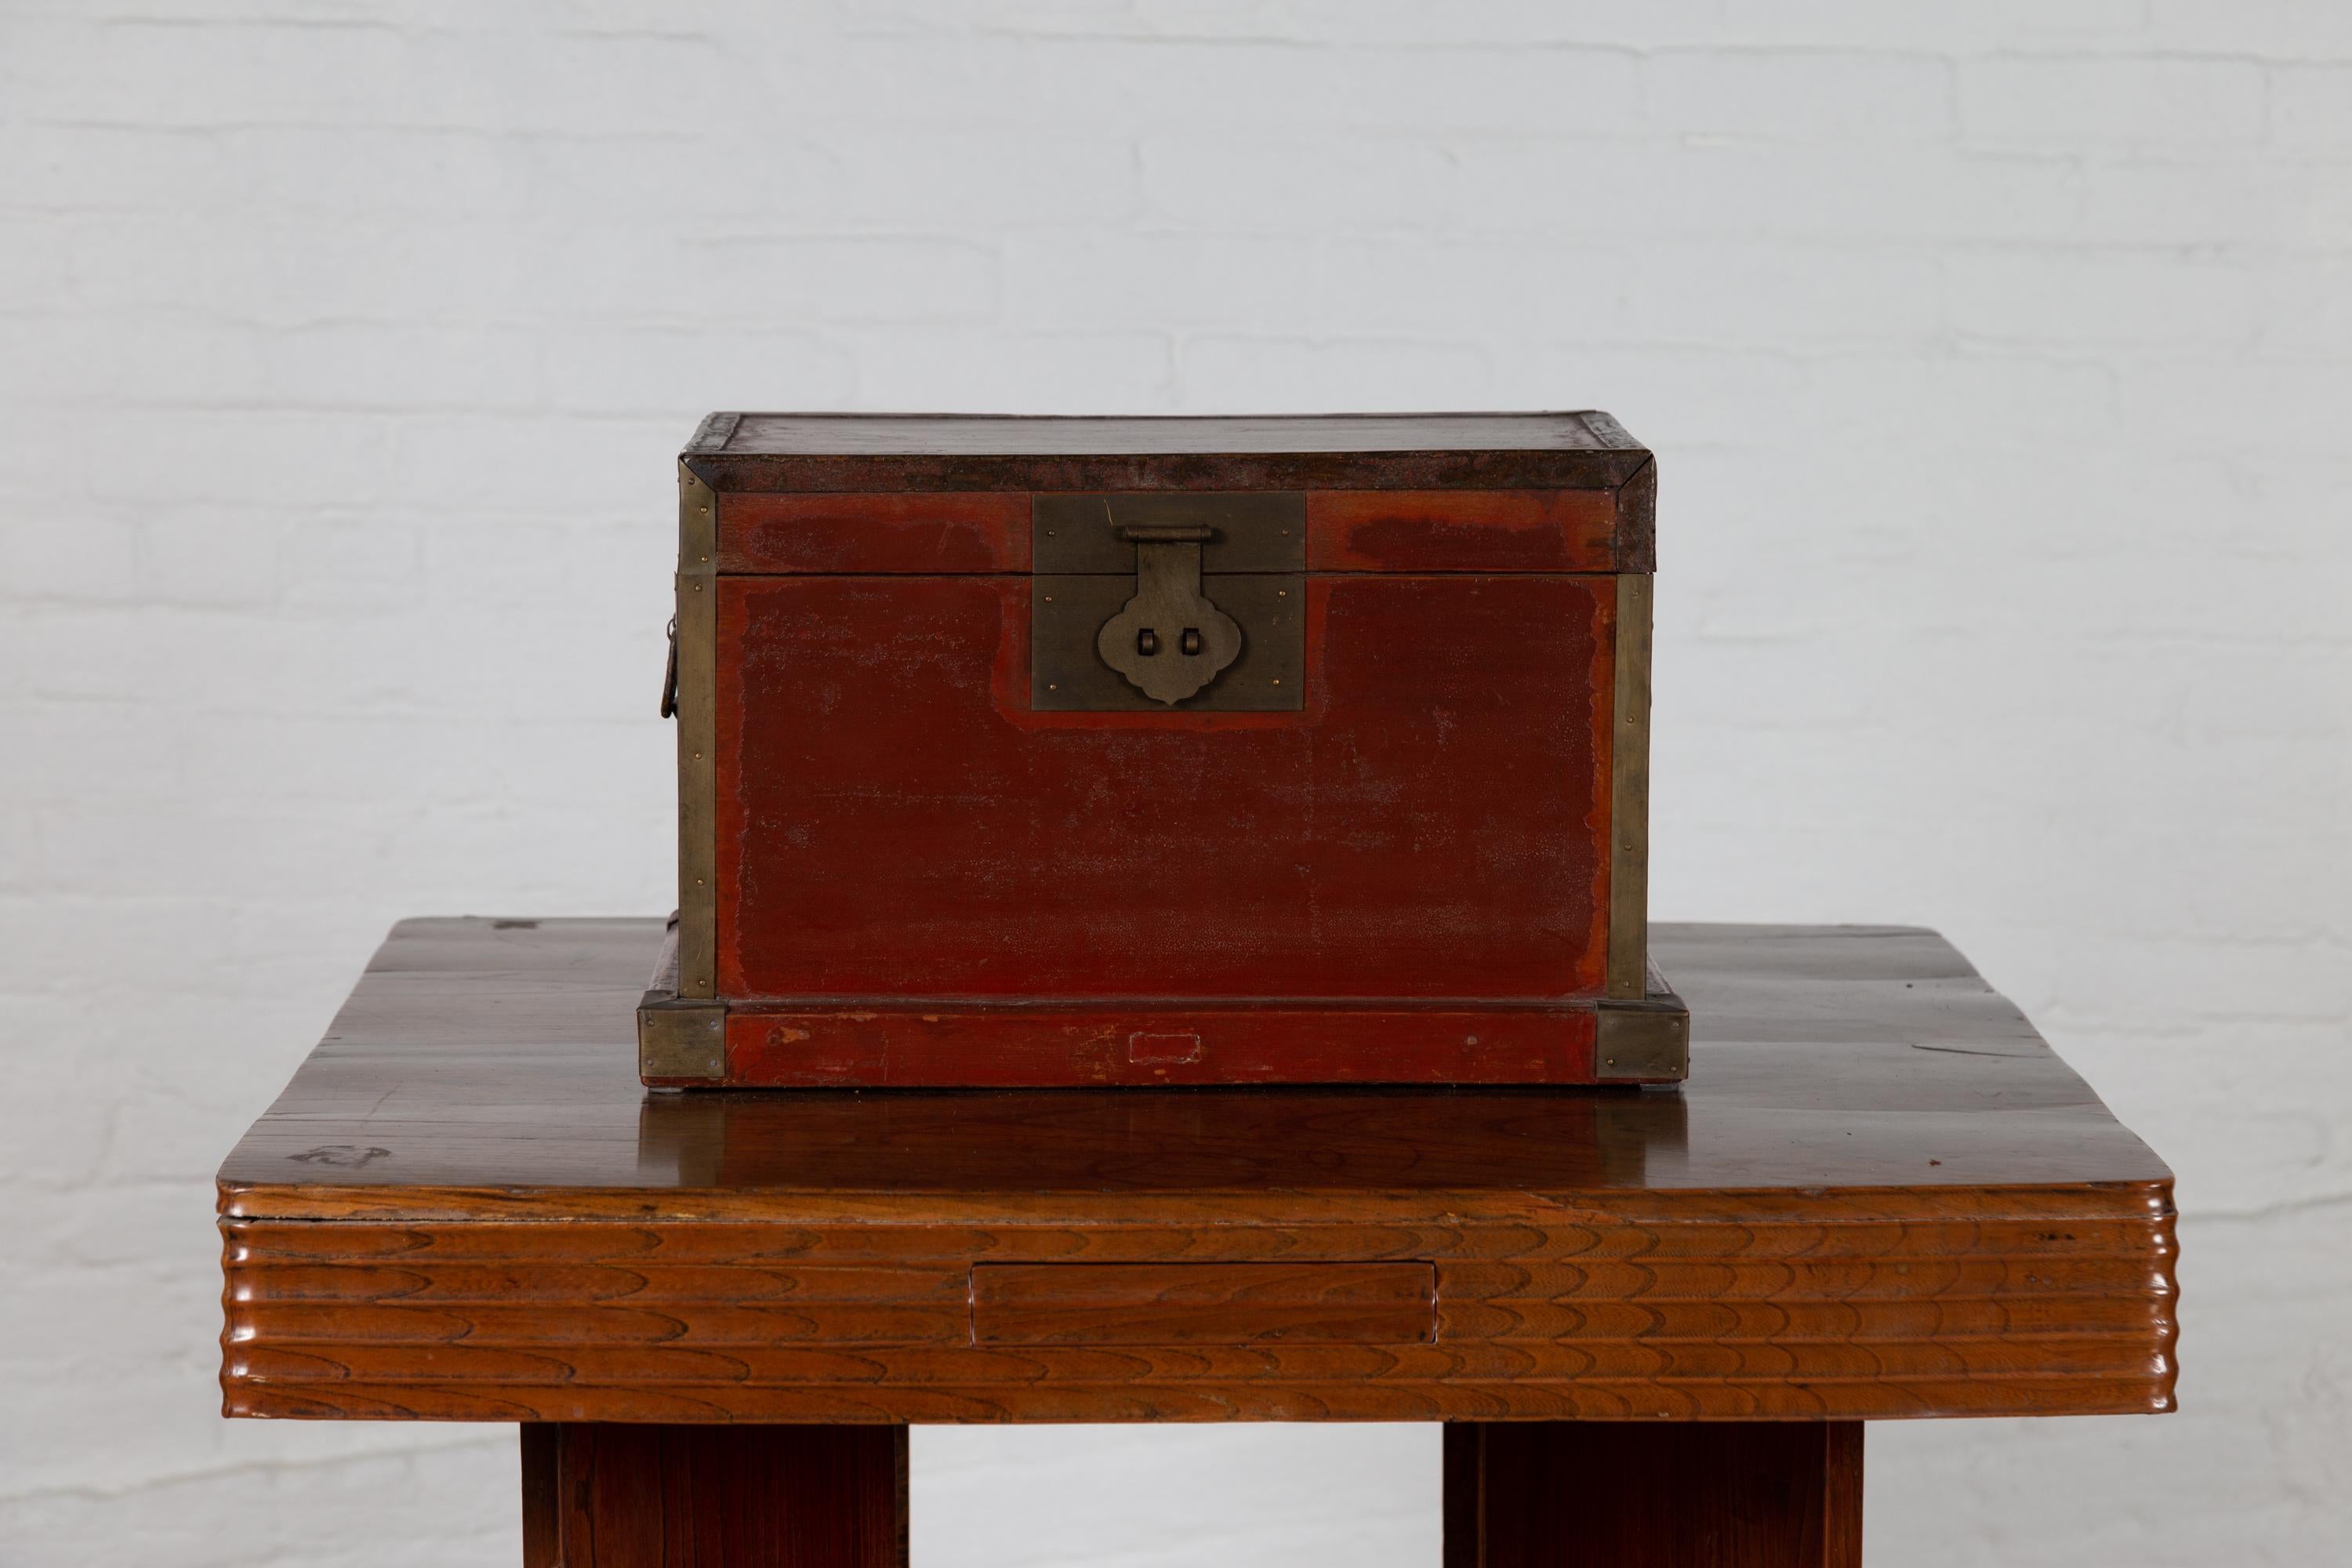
{"type": "Point", "coordinates": [864, 493]}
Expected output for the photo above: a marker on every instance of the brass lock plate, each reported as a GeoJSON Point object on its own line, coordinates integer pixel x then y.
{"type": "Point", "coordinates": [1217, 568]}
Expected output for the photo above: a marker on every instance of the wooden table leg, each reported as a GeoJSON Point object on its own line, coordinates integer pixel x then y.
{"type": "Point", "coordinates": [1625, 1494]}
{"type": "Point", "coordinates": [714, 1497]}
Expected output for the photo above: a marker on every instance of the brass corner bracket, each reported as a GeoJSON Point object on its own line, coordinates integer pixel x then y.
{"type": "Point", "coordinates": [1643, 1040]}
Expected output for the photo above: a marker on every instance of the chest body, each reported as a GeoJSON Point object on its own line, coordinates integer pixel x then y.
{"type": "Point", "coordinates": [1040, 752]}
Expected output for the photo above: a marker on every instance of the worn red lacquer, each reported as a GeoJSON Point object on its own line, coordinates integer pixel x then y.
{"type": "Point", "coordinates": [1426, 828]}
{"type": "Point", "coordinates": [1459, 531]}
{"type": "Point", "coordinates": [1155, 1043]}
{"type": "Point", "coordinates": [915, 533]}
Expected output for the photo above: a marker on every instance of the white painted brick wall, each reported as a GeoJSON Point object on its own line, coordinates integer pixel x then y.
{"type": "Point", "coordinates": [2000, 360]}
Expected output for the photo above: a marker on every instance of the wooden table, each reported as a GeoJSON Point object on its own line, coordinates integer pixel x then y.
{"type": "Point", "coordinates": [1654, 1321]}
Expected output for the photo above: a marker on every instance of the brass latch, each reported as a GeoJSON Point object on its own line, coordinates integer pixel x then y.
{"type": "Point", "coordinates": [1168, 640]}
{"type": "Point", "coordinates": [1194, 601]}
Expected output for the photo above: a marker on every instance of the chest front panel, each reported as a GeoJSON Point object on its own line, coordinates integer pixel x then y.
{"type": "Point", "coordinates": [895, 819]}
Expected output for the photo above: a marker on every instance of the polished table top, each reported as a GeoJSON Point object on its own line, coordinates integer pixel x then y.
{"type": "Point", "coordinates": [1880, 1194]}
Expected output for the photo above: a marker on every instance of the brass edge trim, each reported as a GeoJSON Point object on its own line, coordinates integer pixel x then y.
{"type": "Point", "coordinates": [678, 1039]}
{"type": "Point", "coordinates": [697, 730]}
{"type": "Point", "coordinates": [1629, 792]}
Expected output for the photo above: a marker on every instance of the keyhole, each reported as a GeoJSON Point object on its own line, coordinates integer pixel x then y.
{"type": "Point", "coordinates": [1147, 642]}
{"type": "Point", "coordinates": [1191, 642]}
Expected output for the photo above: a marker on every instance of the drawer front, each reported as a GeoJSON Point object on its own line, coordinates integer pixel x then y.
{"type": "Point", "coordinates": [1203, 1303]}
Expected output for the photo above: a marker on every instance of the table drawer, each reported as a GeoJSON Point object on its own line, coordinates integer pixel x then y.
{"type": "Point", "coordinates": [1202, 1303]}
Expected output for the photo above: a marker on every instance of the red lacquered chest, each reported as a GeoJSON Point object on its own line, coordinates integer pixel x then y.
{"type": "Point", "coordinates": [1162, 750]}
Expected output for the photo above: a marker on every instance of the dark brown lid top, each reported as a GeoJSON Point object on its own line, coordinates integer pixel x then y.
{"type": "Point", "coordinates": [982, 452]}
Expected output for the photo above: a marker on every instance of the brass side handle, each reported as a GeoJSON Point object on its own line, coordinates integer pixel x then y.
{"type": "Point", "coordinates": [669, 676]}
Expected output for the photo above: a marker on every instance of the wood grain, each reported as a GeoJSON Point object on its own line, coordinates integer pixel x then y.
{"type": "Point", "coordinates": [1668, 1321]}
{"type": "Point", "coordinates": [699, 1496]}
{"type": "Point", "coordinates": [1561, 1495]}
{"type": "Point", "coordinates": [1880, 1196]}
{"type": "Point", "coordinates": [1202, 1303]}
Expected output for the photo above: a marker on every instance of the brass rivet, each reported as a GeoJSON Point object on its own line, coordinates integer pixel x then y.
{"type": "Point", "coordinates": [1049, 599]}
{"type": "Point", "coordinates": [1282, 593]}
{"type": "Point", "coordinates": [697, 756]}
{"type": "Point", "coordinates": [1277, 680]}
{"type": "Point", "coordinates": [1051, 686]}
